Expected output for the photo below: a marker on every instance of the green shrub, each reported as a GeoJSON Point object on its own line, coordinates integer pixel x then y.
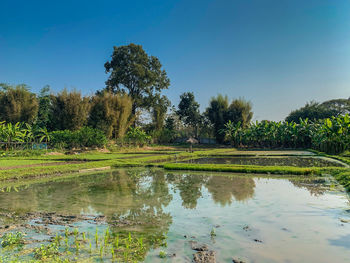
{"type": "Point", "coordinates": [136, 136]}
{"type": "Point", "coordinates": [163, 136]}
{"type": "Point", "coordinates": [90, 137]}
{"type": "Point", "coordinates": [45, 252]}
{"type": "Point", "coordinates": [12, 239]}
{"type": "Point", "coordinates": [85, 137]}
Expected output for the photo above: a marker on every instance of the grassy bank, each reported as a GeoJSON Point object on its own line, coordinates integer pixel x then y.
{"type": "Point", "coordinates": [253, 169]}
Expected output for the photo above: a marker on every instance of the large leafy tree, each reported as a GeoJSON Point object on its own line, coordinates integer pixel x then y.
{"type": "Point", "coordinates": [188, 111]}
{"type": "Point", "coordinates": [136, 73]}
{"type": "Point", "coordinates": [338, 106]}
{"type": "Point", "coordinates": [17, 104]}
{"type": "Point", "coordinates": [70, 111]}
{"type": "Point", "coordinates": [240, 111]}
{"type": "Point", "coordinates": [220, 112]}
{"type": "Point", "coordinates": [217, 114]}
{"type": "Point", "coordinates": [312, 111]}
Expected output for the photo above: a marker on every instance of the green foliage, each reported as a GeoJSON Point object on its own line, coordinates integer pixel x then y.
{"type": "Point", "coordinates": [333, 135]}
{"type": "Point", "coordinates": [344, 179]}
{"type": "Point", "coordinates": [84, 137]}
{"type": "Point", "coordinates": [69, 111]}
{"type": "Point", "coordinates": [220, 112]}
{"type": "Point", "coordinates": [44, 110]}
{"type": "Point", "coordinates": [240, 111]}
{"type": "Point", "coordinates": [217, 114]}
{"type": "Point", "coordinates": [90, 137]}
{"type": "Point", "coordinates": [250, 168]}
{"type": "Point", "coordinates": [170, 123]}
{"type": "Point", "coordinates": [339, 106]}
{"type": "Point", "coordinates": [213, 232]}
{"type": "Point", "coordinates": [316, 111]}
{"type": "Point", "coordinates": [188, 111]}
{"type": "Point", "coordinates": [45, 252]}
{"type": "Point", "coordinates": [76, 246]}
{"type": "Point", "coordinates": [111, 113]}
{"type": "Point", "coordinates": [63, 139]}
{"type": "Point", "coordinates": [163, 136]}
{"type": "Point", "coordinates": [159, 110]}
{"type": "Point", "coordinates": [330, 136]}
{"type": "Point", "coordinates": [134, 72]}
{"type": "Point", "coordinates": [162, 254]}
{"type": "Point", "coordinates": [44, 135]}
{"type": "Point", "coordinates": [22, 153]}
{"type": "Point", "coordinates": [17, 104]}
{"type": "Point", "coordinates": [136, 136]}
{"type": "Point", "coordinates": [12, 239]}
{"type": "Point", "coordinates": [19, 134]}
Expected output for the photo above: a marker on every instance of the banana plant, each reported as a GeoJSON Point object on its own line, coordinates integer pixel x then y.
{"type": "Point", "coordinates": [44, 135]}
{"type": "Point", "coordinates": [232, 132]}
{"type": "Point", "coordinates": [12, 134]}
{"type": "Point", "coordinates": [331, 135]}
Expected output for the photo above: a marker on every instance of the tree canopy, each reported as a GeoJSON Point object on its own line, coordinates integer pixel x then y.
{"type": "Point", "coordinates": [217, 114]}
{"type": "Point", "coordinates": [136, 73]}
{"type": "Point", "coordinates": [159, 110]}
{"type": "Point", "coordinates": [17, 104]}
{"type": "Point", "coordinates": [45, 104]}
{"type": "Point", "coordinates": [111, 113]}
{"type": "Point", "coordinates": [188, 111]}
{"type": "Point", "coordinates": [316, 111]}
{"type": "Point", "coordinates": [221, 112]}
{"type": "Point", "coordinates": [240, 111]}
{"type": "Point", "coordinates": [69, 111]}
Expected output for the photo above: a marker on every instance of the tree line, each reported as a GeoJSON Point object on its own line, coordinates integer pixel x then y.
{"type": "Point", "coordinates": [134, 86]}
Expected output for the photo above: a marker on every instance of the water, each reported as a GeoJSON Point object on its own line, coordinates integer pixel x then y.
{"type": "Point", "coordinates": [270, 161]}
{"type": "Point", "coordinates": [256, 219]}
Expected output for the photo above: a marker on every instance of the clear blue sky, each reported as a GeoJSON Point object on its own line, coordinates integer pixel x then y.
{"type": "Point", "coordinates": [278, 54]}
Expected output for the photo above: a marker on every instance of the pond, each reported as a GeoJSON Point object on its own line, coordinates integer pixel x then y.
{"type": "Point", "coordinates": [137, 214]}
{"type": "Point", "coordinates": [270, 161]}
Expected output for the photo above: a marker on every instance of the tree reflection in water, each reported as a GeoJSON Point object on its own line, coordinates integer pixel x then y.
{"type": "Point", "coordinates": [132, 200]}
{"type": "Point", "coordinates": [314, 186]}
{"type": "Point", "coordinates": [224, 188]}
{"type": "Point", "coordinates": [189, 186]}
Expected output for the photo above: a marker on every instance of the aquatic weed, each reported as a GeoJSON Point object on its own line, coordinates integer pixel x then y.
{"type": "Point", "coordinates": [46, 251]}
{"type": "Point", "coordinates": [12, 239]}
{"type": "Point", "coordinates": [101, 251]}
{"type": "Point", "coordinates": [212, 232]}
{"type": "Point", "coordinates": [117, 242]}
{"type": "Point", "coordinates": [96, 237]}
{"type": "Point", "coordinates": [140, 241]}
{"type": "Point", "coordinates": [162, 254]}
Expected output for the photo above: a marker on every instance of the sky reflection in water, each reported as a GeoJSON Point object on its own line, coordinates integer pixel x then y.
{"type": "Point", "coordinates": [297, 221]}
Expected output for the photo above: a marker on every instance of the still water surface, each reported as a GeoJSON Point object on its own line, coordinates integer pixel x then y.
{"type": "Point", "coordinates": [255, 219]}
